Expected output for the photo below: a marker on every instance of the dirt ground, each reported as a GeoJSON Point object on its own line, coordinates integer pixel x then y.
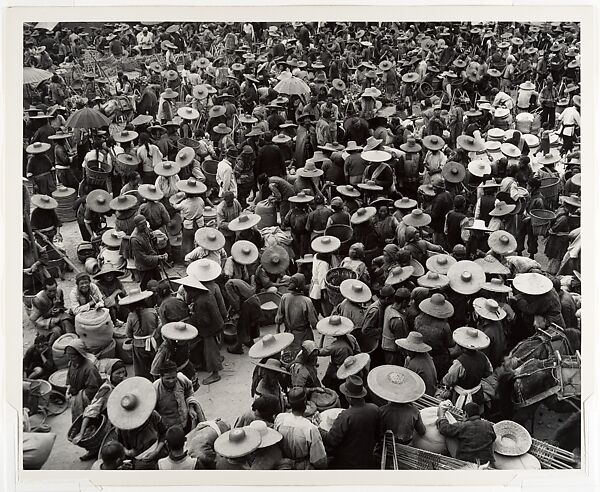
{"type": "Point", "coordinates": [226, 399]}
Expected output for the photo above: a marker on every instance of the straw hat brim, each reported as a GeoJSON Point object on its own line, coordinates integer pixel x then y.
{"type": "Point", "coordinates": [404, 274]}
{"type": "Point", "coordinates": [499, 288]}
{"type": "Point", "coordinates": [532, 283]}
{"type": "Point", "coordinates": [361, 360]}
{"type": "Point", "coordinates": [238, 225]}
{"type": "Point", "coordinates": [344, 191]}
{"type": "Point", "coordinates": [433, 144]}
{"type": "Point", "coordinates": [441, 268]}
{"type": "Point", "coordinates": [109, 239]}
{"type": "Point", "coordinates": [396, 384]}
{"type": "Point", "coordinates": [498, 246]}
{"type": "Point", "coordinates": [406, 344]}
{"type": "Point", "coordinates": [143, 390]}
{"type": "Point", "coordinates": [512, 439]}
{"type": "Point", "coordinates": [492, 266]}
{"type": "Point", "coordinates": [319, 245]}
{"type": "Point", "coordinates": [228, 449]}
{"type": "Point", "coordinates": [466, 287]}
{"type": "Point", "coordinates": [502, 211]}
{"type": "Point", "coordinates": [173, 332]}
{"type": "Point", "coordinates": [196, 189]}
{"type": "Point", "coordinates": [309, 174]}
{"type": "Point", "coordinates": [360, 219]}
{"type": "Point", "coordinates": [324, 327]}
{"type": "Point", "coordinates": [92, 201]}
{"type": "Point", "coordinates": [186, 114]}
{"type": "Point", "coordinates": [444, 311]}
{"type": "Point", "coordinates": [202, 239]}
{"type": "Point", "coordinates": [454, 177]}
{"type": "Point", "coordinates": [482, 310]}
{"type": "Point", "coordinates": [136, 297]}
{"type": "Point", "coordinates": [240, 257]}
{"type": "Point", "coordinates": [108, 268]}
{"type": "Point", "coordinates": [39, 202]}
{"type": "Point", "coordinates": [153, 195]}
{"type": "Point", "coordinates": [184, 157]}
{"type": "Point", "coordinates": [260, 351]}
{"type": "Point", "coordinates": [462, 338]}
{"type": "Point", "coordinates": [202, 273]}
{"type": "Point", "coordinates": [189, 281]}
{"type": "Point", "coordinates": [329, 416]}
{"type": "Point", "coordinates": [301, 199]}
{"type": "Point", "coordinates": [271, 368]}
{"type": "Point", "coordinates": [31, 149]}
{"type": "Point", "coordinates": [268, 255]}
{"type": "Point", "coordinates": [118, 203]}
{"type": "Point", "coordinates": [417, 221]}
{"type": "Point", "coordinates": [370, 187]}
{"type": "Point", "coordinates": [430, 283]}
{"type": "Point", "coordinates": [347, 290]}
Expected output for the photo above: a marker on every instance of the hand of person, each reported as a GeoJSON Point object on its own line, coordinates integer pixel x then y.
{"type": "Point", "coordinates": [164, 256]}
{"type": "Point", "coordinates": [77, 438]}
{"type": "Point", "coordinates": [28, 271]}
{"type": "Point", "coordinates": [100, 305]}
{"type": "Point", "coordinates": [193, 414]}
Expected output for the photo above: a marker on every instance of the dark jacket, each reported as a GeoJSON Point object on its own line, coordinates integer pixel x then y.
{"type": "Point", "coordinates": [142, 249]}
{"type": "Point", "coordinates": [270, 161]}
{"type": "Point", "coordinates": [475, 438]}
{"type": "Point", "coordinates": [440, 206]}
{"type": "Point", "coordinates": [206, 316]}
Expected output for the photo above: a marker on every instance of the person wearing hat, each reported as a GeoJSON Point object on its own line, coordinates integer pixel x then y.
{"type": "Point", "coordinates": [116, 372]}
{"type": "Point", "coordinates": [352, 439]}
{"type": "Point", "coordinates": [570, 124]}
{"type": "Point", "coordinates": [44, 219]}
{"type": "Point", "coordinates": [537, 301]}
{"type": "Point", "coordinates": [111, 288]}
{"type": "Point", "coordinates": [269, 381]}
{"type": "Point", "coordinates": [418, 360]}
{"type": "Point", "coordinates": [296, 220]}
{"type": "Point", "coordinates": [83, 379]}
{"type": "Point", "coordinates": [150, 156]}
{"type": "Point", "coordinates": [176, 336]}
{"type": "Point", "coordinates": [40, 169]}
{"type": "Point", "coordinates": [488, 316]}
{"type": "Point", "coordinates": [434, 159]}
{"type": "Point", "coordinates": [354, 165]}
{"type": "Point", "coordinates": [419, 248]}
{"type": "Point", "coordinates": [469, 368]}
{"type": "Point", "coordinates": [475, 436]}
{"type": "Point", "coordinates": [190, 204]}
{"type": "Point", "coordinates": [225, 176]}
{"type": "Point", "coordinates": [547, 100]}
{"type": "Point", "coordinates": [303, 370]}
{"type": "Point", "coordinates": [175, 401]}
{"type": "Point", "coordinates": [144, 251]}
{"type": "Point", "coordinates": [35, 259]}
{"type": "Point", "coordinates": [244, 174]}
{"type": "Point", "coordinates": [302, 444]}
{"type": "Point", "coordinates": [395, 326]}
{"type": "Point", "coordinates": [372, 325]}
{"type": "Point", "coordinates": [228, 210]}
{"type": "Point", "coordinates": [306, 139]}
{"type": "Point", "coordinates": [48, 312]}
{"type": "Point", "coordinates": [535, 202]}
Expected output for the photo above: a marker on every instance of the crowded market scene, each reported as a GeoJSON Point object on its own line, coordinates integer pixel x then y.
{"type": "Point", "coordinates": [301, 246]}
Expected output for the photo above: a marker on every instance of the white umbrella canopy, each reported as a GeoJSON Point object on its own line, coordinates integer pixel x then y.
{"type": "Point", "coordinates": [292, 86]}
{"type": "Point", "coordinates": [32, 75]}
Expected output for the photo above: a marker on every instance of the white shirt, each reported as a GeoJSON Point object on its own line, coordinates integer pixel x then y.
{"type": "Point", "coordinates": [503, 99]}
{"type": "Point", "coordinates": [319, 271]}
{"type": "Point", "coordinates": [569, 116]}
{"type": "Point", "coordinates": [225, 178]}
{"type": "Point", "coordinates": [145, 41]}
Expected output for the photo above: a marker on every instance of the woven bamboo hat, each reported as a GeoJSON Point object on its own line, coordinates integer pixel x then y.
{"type": "Point", "coordinates": [480, 167]}
{"type": "Point", "coordinates": [191, 186]}
{"type": "Point", "coordinates": [370, 186]}
{"type": "Point", "coordinates": [399, 274]}
{"type": "Point", "coordinates": [244, 221]}
{"type": "Point", "coordinates": [348, 190]}
{"type": "Point", "coordinates": [204, 270]}
{"type": "Point", "coordinates": [123, 202]}
{"type": "Point", "coordinates": [414, 343]}
{"type": "Point", "coordinates": [489, 309]}
{"type": "Point", "coordinates": [363, 215]}
{"type": "Point", "coordinates": [440, 263]}
{"type": "Point", "coordinates": [112, 238]}
{"type": "Point", "coordinates": [433, 142]}
{"type": "Point", "coordinates": [150, 192]}
{"type": "Point", "coordinates": [98, 201]}
{"type": "Point", "coordinates": [189, 281]}
{"type": "Point", "coordinates": [335, 326]}
{"type": "Point", "coordinates": [301, 197]}
{"type": "Point", "coordinates": [131, 403]}
{"type": "Point", "coordinates": [437, 306]}
{"type": "Point", "coordinates": [353, 364]}
{"type": "Point", "coordinates": [270, 345]}
{"type": "Point", "coordinates": [184, 157]}
{"type": "Point", "coordinates": [167, 168]}
{"type": "Point", "coordinates": [405, 203]}
{"type": "Point", "coordinates": [417, 218]}
{"type": "Point", "coordinates": [534, 284]}
{"type": "Point", "coordinates": [355, 290]}
{"type": "Point", "coordinates": [492, 265]}
{"type": "Point", "coordinates": [135, 295]}
{"type": "Point", "coordinates": [502, 208]}
{"type": "Point", "coordinates": [275, 259]}
{"type": "Point", "coordinates": [466, 277]}
{"type": "Point", "coordinates": [471, 338]}
{"type": "Point", "coordinates": [325, 244]}
{"type": "Point", "coordinates": [237, 442]}
{"type": "Point", "coordinates": [497, 285]}
{"type": "Point", "coordinates": [38, 148]}
{"type": "Point", "coordinates": [433, 280]}
{"type": "Point", "coordinates": [244, 252]}
{"type": "Point", "coordinates": [209, 238]}
{"type": "Point", "coordinates": [453, 172]}
{"type": "Point", "coordinates": [44, 201]}
{"type": "Point", "coordinates": [396, 384]}
{"type": "Point", "coordinates": [502, 242]}
{"type": "Point", "coordinates": [179, 330]}
{"type": "Point", "coordinates": [272, 365]}
{"type": "Point", "coordinates": [512, 439]}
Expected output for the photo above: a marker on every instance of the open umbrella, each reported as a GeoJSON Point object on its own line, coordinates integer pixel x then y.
{"type": "Point", "coordinates": [87, 118]}
{"type": "Point", "coordinates": [292, 86]}
{"type": "Point", "coordinates": [32, 75]}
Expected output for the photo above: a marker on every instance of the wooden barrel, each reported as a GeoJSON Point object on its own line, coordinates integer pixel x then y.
{"type": "Point", "coordinates": [61, 360]}
{"type": "Point", "coordinates": [95, 328]}
{"type": "Point", "coordinates": [333, 279]}
{"type": "Point", "coordinates": [65, 197]}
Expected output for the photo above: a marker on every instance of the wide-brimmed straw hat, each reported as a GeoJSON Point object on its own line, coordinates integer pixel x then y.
{"type": "Point", "coordinates": [363, 215]}
{"type": "Point", "coordinates": [38, 148]}
{"type": "Point", "coordinates": [466, 277]}
{"type": "Point", "coordinates": [470, 144]}
{"type": "Point", "coordinates": [204, 270]}
{"type": "Point", "coordinates": [471, 338]}
{"type": "Point", "coordinates": [150, 192]}
{"type": "Point", "coordinates": [410, 77]}
{"type": "Point", "coordinates": [497, 285]}
{"type": "Point", "coordinates": [437, 306]}
{"type": "Point", "coordinates": [502, 208]}
{"type": "Point", "coordinates": [399, 274]}
{"type": "Point", "coordinates": [352, 146]}
{"type": "Point", "coordinates": [184, 157]}
{"type": "Point", "coordinates": [106, 269]}
{"type": "Point", "coordinates": [414, 343]}
{"type": "Point", "coordinates": [433, 280]}
{"type": "Point", "coordinates": [191, 186]}
{"type": "Point", "coordinates": [372, 143]}
{"type": "Point", "coordinates": [527, 86]}
{"type": "Point", "coordinates": [405, 203]}
{"type": "Point", "coordinates": [478, 225]}
{"type": "Point", "coordinates": [433, 142]}
{"type": "Point", "coordinates": [129, 160]}
{"type": "Point", "coordinates": [44, 201]}
{"type": "Point", "coordinates": [396, 384]}
{"type": "Point", "coordinates": [370, 186]}
{"type": "Point", "coordinates": [244, 221]}
{"type": "Point", "coordinates": [489, 309]}
{"type": "Point", "coordinates": [502, 242]}
{"type": "Point", "coordinates": [453, 172]}
{"type": "Point", "coordinates": [135, 295]}
{"type": "Point", "coordinates": [272, 365]}
{"type": "Point", "coordinates": [268, 436]}
{"type": "Point", "coordinates": [98, 201]}
{"type": "Point", "coordinates": [411, 145]}
{"type": "Point", "coordinates": [189, 281]}
{"type": "Point", "coordinates": [325, 244]}
{"type": "Point", "coordinates": [512, 439]}
{"type": "Point", "coordinates": [275, 259]}
{"type": "Point", "coordinates": [348, 190]}
{"type": "Point", "coordinates": [335, 326]}
{"type": "Point", "coordinates": [60, 135]}
{"type": "Point", "coordinates": [301, 197]}
{"type": "Point", "coordinates": [440, 263]}
{"type": "Point", "coordinates": [281, 139]}
{"type": "Point", "coordinates": [309, 170]}
{"type": "Point", "coordinates": [131, 403]}
{"type": "Point", "coordinates": [573, 200]}
{"type": "Point", "coordinates": [237, 442]}
{"type": "Point", "coordinates": [112, 238]}
{"type": "Point", "coordinates": [355, 290]}
{"type": "Point", "coordinates": [125, 136]}
{"type": "Point", "coordinates": [123, 202]}
{"type": "Point", "coordinates": [244, 252]}
{"type": "Point", "coordinates": [509, 150]}
{"type": "Point", "coordinates": [532, 283]}
{"type": "Point", "coordinates": [352, 365]}
{"type": "Point", "coordinates": [480, 167]}
{"type": "Point", "coordinates": [217, 110]}
{"type": "Point", "coordinates": [417, 218]}
{"type": "Point", "coordinates": [178, 330]}
{"type": "Point", "coordinates": [188, 113]}
{"type": "Point", "coordinates": [376, 156]}
{"type": "Point", "coordinates": [270, 345]}
{"type": "Point", "coordinates": [209, 238]}
{"type": "Point", "coordinates": [491, 265]}
{"type": "Point", "coordinates": [200, 91]}
{"type": "Point", "coordinates": [169, 94]}
{"type": "Point", "coordinates": [329, 416]}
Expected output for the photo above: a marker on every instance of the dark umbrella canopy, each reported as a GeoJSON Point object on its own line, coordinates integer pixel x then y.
{"type": "Point", "coordinates": [88, 118]}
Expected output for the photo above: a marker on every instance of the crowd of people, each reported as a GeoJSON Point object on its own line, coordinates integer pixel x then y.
{"type": "Point", "coordinates": [402, 199]}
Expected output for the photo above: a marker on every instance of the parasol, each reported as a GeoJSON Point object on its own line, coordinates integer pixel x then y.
{"type": "Point", "coordinates": [292, 86]}
{"type": "Point", "coordinates": [87, 118]}
{"type": "Point", "coordinates": [32, 75]}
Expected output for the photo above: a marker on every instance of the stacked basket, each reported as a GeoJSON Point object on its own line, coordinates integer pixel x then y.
{"type": "Point", "coordinates": [65, 198]}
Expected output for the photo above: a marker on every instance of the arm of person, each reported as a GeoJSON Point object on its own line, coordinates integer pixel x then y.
{"type": "Point", "coordinates": [419, 425]}
{"type": "Point", "coordinates": [77, 308]}
{"type": "Point", "coordinates": [139, 251]}
{"type": "Point", "coordinates": [447, 429]}
{"type": "Point", "coordinates": [454, 374]}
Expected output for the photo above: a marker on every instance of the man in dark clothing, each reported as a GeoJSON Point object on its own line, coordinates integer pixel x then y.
{"type": "Point", "coordinates": [475, 435]}
{"type": "Point", "coordinates": [536, 201]}
{"type": "Point", "coordinates": [351, 441]}
{"type": "Point", "coordinates": [454, 220]}
{"type": "Point", "coordinates": [436, 125]}
{"type": "Point", "coordinates": [270, 161]}
{"type": "Point", "coordinates": [148, 103]}
{"type": "Point", "coordinates": [440, 206]}
{"type": "Point", "coordinates": [143, 250]}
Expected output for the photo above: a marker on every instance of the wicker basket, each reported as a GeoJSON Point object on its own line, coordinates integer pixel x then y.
{"type": "Point", "coordinates": [549, 189]}
{"type": "Point", "coordinates": [541, 220]}
{"type": "Point", "coordinates": [344, 234]}
{"type": "Point", "coordinates": [97, 172]}
{"type": "Point", "coordinates": [333, 279]}
{"type": "Point", "coordinates": [94, 440]}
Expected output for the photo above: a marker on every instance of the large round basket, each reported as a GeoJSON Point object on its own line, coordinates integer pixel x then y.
{"type": "Point", "coordinates": [343, 233]}
{"type": "Point", "coordinates": [549, 189]}
{"type": "Point", "coordinates": [95, 432]}
{"type": "Point", "coordinates": [58, 380]}
{"type": "Point", "coordinates": [541, 220]}
{"type": "Point", "coordinates": [333, 279]}
{"type": "Point", "coordinates": [209, 168]}
{"type": "Point", "coordinates": [97, 172]}
{"type": "Point", "coordinates": [188, 142]}
{"type": "Point", "coordinates": [269, 304]}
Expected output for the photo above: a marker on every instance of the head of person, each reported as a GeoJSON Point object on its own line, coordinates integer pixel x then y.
{"type": "Point", "coordinates": [386, 295]}
{"type": "Point", "coordinates": [175, 439]}
{"type": "Point", "coordinates": [83, 282]}
{"type": "Point", "coordinates": [168, 374]}
{"type": "Point", "coordinates": [357, 251]}
{"type": "Point", "coordinates": [134, 179]}
{"type": "Point", "coordinates": [402, 297]}
{"type": "Point", "coordinates": [140, 222]}
{"type": "Point", "coordinates": [383, 211]}
{"type": "Point", "coordinates": [228, 197]}
{"type": "Point", "coordinates": [459, 203]}
{"type": "Point", "coordinates": [459, 252]}
{"type": "Point", "coordinates": [319, 200]}
{"type": "Point", "coordinates": [112, 455]}
{"type": "Point", "coordinates": [297, 283]}
{"type": "Point", "coordinates": [534, 184]}
{"type": "Point", "coordinates": [411, 234]}
{"type": "Point", "coordinates": [337, 204]}
{"type": "Point", "coordinates": [118, 372]}
{"type": "Point", "coordinates": [297, 400]}
{"type": "Point", "coordinates": [512, 170]}
{"type": "Point", "coordinates": [265, 408]}
{"type": "Point", "coordinates": [50, 287]}
{"type": "Point", "coordinates": [471, 409]}
{"type": "Point", "coordinates": [309, 352]}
